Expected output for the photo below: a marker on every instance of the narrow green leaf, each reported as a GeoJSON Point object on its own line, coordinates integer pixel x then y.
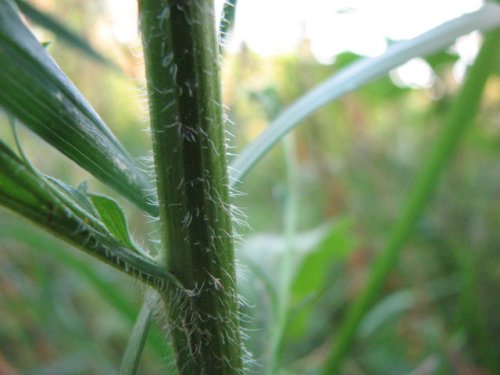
{"type": "Point", "coordinates": [72, 39]}
{"type": "Point", "coordinates": [36, 91]}
{"type": "Point", "coordinates": [113, 217]}
{"type": "Point", "coordinates": [20, 189]}
{"type": "Point", "coordinates": [358, 75]}
{"type": "Point", "coordinates": [334, 246]}
{"type": "Point", "coordinates": [135, 346]}
{"type": "Point", "coordinates": [399, 302]}
{"type": "Point", "coordinates": [463, 111]}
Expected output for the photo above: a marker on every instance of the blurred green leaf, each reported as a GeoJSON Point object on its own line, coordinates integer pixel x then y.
{"type": "Point", "coordinates": [312, 275]}
{"type": "Point", "coordinates": [441, 59]}
{"type": "Point", "coordinates": [335, 246]}
{"type": "Point", "coordinates": [36, 91]}
{"type": "Point", "coordinates": [345, 59]}
{"type": "Point", "coordinates": [357, 75]}
{"type": "Point", "coordinates": [269, 100]}
{"type": "Point", "coordinates": [39, 241]}
{"type": "Point", "coordinates": [48, 22]}
{"type": "Point", "coordinates": [389, 308]}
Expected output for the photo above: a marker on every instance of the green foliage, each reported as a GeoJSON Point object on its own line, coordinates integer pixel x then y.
{"type": "Point", "coordinates": [37, 92]}
{"type": "Point", "coordinates": [319, 301]}
{"type": "Point", "coordinates": [114, 219]}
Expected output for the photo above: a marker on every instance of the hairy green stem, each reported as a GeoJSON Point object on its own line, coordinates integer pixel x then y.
{"type": "Point", "coordinates": [465, 107]}
{"type": "Point", "coordinates": [182, 71]}
{"type": "Point", "coordinates": [227, 20]}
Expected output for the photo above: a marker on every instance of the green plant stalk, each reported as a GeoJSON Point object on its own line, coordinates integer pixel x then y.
{"type": "Point", "coordinates": [182, 72]}
{"type": "Point", "coordinates": [469, 315]}
{"type": "Point", "coordinates": [287, 267]}
{"type": "Point", "coordinates": [135, 346]}
{"type": "Point", "coordinates": [464, 108]}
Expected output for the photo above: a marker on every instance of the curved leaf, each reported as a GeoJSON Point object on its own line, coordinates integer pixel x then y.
{"type": "Point", "coordinates": [358, 75]}
{"type": "Point", "coordinates": [35, 90]}
{"type": "Point", "coordinates": [113, 217]}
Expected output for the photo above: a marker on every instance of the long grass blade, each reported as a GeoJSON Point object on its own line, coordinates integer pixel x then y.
{"type": "Point", "coordinates": [72, 39]}
{"type": "Point", "coordinates": [358, 75]}
{"type": "Point", "coordinates": [36, 91]}
{"type": "Point", "coordinates": [135, 346]}
{"type": "Point", "coordinates": [462, 113]}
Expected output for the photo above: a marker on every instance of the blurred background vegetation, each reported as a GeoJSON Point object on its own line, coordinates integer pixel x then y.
{"type": "Point", "coordinates": [61, 312]}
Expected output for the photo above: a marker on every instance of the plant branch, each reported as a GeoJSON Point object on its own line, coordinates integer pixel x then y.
{"type": "Point", "coordinates": [30, 195]}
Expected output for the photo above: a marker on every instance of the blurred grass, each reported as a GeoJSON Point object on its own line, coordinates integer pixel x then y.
{"type": "Point", "coordinates": [78, 304]}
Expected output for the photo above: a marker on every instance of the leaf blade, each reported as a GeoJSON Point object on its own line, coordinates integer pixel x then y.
{"type": "Point", "coordinates": [113, 217]}
{"type": "Point", "coordinates": [135, 345]}
{"type": "Point", "coordinates": [358, 75]}
{"type": "Point", "coordinates": [36, 91]}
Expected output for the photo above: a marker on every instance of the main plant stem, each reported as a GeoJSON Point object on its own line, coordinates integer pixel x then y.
{"type": "Point", "coordinates": [182, 71]}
